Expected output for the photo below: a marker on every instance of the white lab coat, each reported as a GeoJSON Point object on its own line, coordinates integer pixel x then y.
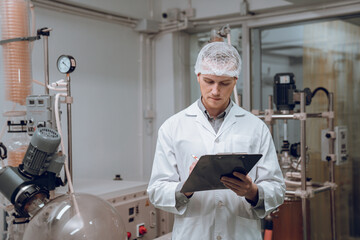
{"type": "Point", "coordinates": [216, 214]}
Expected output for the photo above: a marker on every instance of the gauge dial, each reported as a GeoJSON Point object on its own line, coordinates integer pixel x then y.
{"type": "Point", "coordinates": [66, 64]}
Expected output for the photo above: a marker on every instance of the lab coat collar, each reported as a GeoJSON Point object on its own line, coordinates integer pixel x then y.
{"type": "Point", "coordinates": [235, 112]}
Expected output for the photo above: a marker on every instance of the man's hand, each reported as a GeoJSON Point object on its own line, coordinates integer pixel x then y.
{"type": "Point", "coordinates": [242, 185]}
{"type": "Point", "coordinates": [189, 194]}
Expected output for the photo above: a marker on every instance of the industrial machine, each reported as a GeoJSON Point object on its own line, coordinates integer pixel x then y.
{"type": "Point", "coordinates": [293, 158]}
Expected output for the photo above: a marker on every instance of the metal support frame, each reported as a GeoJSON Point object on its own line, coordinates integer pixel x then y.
{"type": "Point", "coordinates": [69, 101]}
{"type": "Point", "coordinates": [308, 190]}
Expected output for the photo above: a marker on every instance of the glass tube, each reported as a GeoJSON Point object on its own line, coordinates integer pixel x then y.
{"type": "Point", "coordinates": [16, 55]}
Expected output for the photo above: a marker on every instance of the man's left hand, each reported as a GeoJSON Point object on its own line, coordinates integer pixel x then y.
{"type": "Point", "coordinates": [242, 185]}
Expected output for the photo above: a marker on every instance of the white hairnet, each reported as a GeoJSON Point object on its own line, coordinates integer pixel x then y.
{"type": "Point", "coordinates": [218, 58]}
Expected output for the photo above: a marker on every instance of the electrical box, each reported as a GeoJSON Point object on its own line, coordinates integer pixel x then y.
{"type": "Point", "coordinates": [39, 112]}
{"type": "Point", "coordinates": [340, 144]}
{"type": "Point", "coordinates": [138, 214]}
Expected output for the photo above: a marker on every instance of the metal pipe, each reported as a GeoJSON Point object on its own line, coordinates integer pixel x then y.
{"type": "Point", "coordinates": [46, 63]}
{"type": "Point", "coordinates": [285, 116]}
{"type": "Point", "coordinates": [246, 66]}
{"type": "Point", "coordinates": [314, 115]}
{"type": "Point", "coordinates": [86, 11]}
{"type": "Point", "coordinates": [321, 189]}
{"type": "Point", "coordinates": [332, 169]}
{"type": "Point", "coordinates": [298, 13]}
{"type": "Point", "coordinates": [69, 124]}
{"type": "Point", "coordinates": [271, 127]}
{"type": "Point", "coordinates": [303, 163]}
{"type": "Point", "coordinates": [292, 116]}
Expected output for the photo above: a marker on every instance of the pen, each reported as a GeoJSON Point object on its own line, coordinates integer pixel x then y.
{"type": "Point", "coordinates": [195, 157]}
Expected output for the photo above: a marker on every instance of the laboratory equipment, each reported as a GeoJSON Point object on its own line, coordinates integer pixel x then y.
{"type": "Point", "coordinates": [286, 96]}
{"type": "Point", "coordinates": [131, 201]}
{"type": "Point", "coordinates": [18, 140]}
{"type": "Point", "coordinates": [66, 64]}
{"type": "Point", "coordinates": [27, 186]}
{"type": "Point", "coordinates": [341, 154]}
{"type": "Point", "coordinates": [294, 159]}
{"type": "Point", "coordinates": [16, 50]}
{"type": "Point", "coordinates": [76, 216]}
{"type": "Point", "coordinates": [40, 112]}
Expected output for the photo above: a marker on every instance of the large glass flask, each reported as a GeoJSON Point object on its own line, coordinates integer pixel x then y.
{"type": "Point", "coordinates": [76, 216]}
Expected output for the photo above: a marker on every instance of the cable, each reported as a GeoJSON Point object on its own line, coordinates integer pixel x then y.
{"type": "Point", "coordinates": [322, 89]}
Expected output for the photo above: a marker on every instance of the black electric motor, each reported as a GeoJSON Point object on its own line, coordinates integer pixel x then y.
{"type": "Point", "coordinates": [284, 89]}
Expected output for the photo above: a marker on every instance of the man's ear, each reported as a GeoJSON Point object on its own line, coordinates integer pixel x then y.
{"type": "Point", "coordinates": [198, 77]}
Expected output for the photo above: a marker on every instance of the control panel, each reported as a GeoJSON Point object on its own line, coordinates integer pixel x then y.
{"type": "Point", "coordinates": [39, 112]}
{"type": "Point", "coordinates": [138, 214]}
{"type": "Point", "coordinates": [340, 144]}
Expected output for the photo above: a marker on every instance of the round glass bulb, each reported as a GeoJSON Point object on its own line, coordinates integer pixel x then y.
{"type": "Point", "coordinates": [74, 217]}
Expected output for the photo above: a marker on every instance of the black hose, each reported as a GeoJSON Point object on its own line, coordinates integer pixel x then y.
{"type": "Point", "coordinates": [327, 94]}
{"type": "Point", "coordinates": [3, 151]}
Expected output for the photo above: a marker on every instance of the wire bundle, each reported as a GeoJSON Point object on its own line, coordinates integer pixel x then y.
{"type": "Point", "coordinates": [16, 55]}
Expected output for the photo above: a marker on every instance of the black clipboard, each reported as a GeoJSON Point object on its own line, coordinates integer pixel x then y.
{"type": "Point", "coordinates": [210, 168]}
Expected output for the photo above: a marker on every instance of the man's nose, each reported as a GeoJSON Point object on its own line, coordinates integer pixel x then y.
{"type": "Point", "coordinates": [215, 89]}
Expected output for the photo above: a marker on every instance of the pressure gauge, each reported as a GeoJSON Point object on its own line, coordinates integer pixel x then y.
{"type": "Point", "coordinates": [66, 64]}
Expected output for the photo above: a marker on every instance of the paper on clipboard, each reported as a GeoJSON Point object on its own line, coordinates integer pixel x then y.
{"type": "Point", "coordinates": [210, 168]}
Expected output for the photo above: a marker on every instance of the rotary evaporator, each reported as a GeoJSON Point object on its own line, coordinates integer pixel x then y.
{"type": "Point", "coordinates": [37, 198]}
{"type": "Point", "coordinates": [34, 161]}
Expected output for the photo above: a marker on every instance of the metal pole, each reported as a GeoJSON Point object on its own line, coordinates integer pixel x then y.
{"type": "Point", "coordinates": [332, 169]}
{"type": "Point", "coordinates": [271, 108]}
{"type": "Point", "coordinates": [46, 64]}
{"type": "Point", "coordinates": [303, 163]}
{"type": "Point", "coordinates": [69, 124]}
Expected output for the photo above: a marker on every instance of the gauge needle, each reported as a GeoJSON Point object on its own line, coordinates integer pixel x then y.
{"type": "Point", "coordinates": [65, 64]}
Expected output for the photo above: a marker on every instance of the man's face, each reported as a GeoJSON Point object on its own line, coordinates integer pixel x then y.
{"type": "Point", "coordinates": [216, 92]}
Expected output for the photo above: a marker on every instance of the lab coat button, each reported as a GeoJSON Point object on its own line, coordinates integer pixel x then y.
{"type": "Point", "coordinates": [220, 204]}
{"type": "Point", "coordinates": [218, 238]}
{"type": "Point", "coordinates": [217, 140]}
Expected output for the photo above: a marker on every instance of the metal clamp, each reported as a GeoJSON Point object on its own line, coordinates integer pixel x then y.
{"type": "Point", "coordinates": [304, 193]}
{"type": "Point", "coordinates": [300, 116]}
{"type": "Point", "coordinates": [69, 99]}
{"type": "Point", "coordinates": [268, 115]}
{"type": "Point", "coordinates": [331, 184]}
{"type": "Point", "coordinates": [331, 157]}
{"type": "Point", "coordinates": [330, 134]}
{"type": "Point", "coordinates": [328, 114]}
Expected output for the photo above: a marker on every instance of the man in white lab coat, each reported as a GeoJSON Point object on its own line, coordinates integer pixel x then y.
{"type": "Point", "coordinates": [214, 124]}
